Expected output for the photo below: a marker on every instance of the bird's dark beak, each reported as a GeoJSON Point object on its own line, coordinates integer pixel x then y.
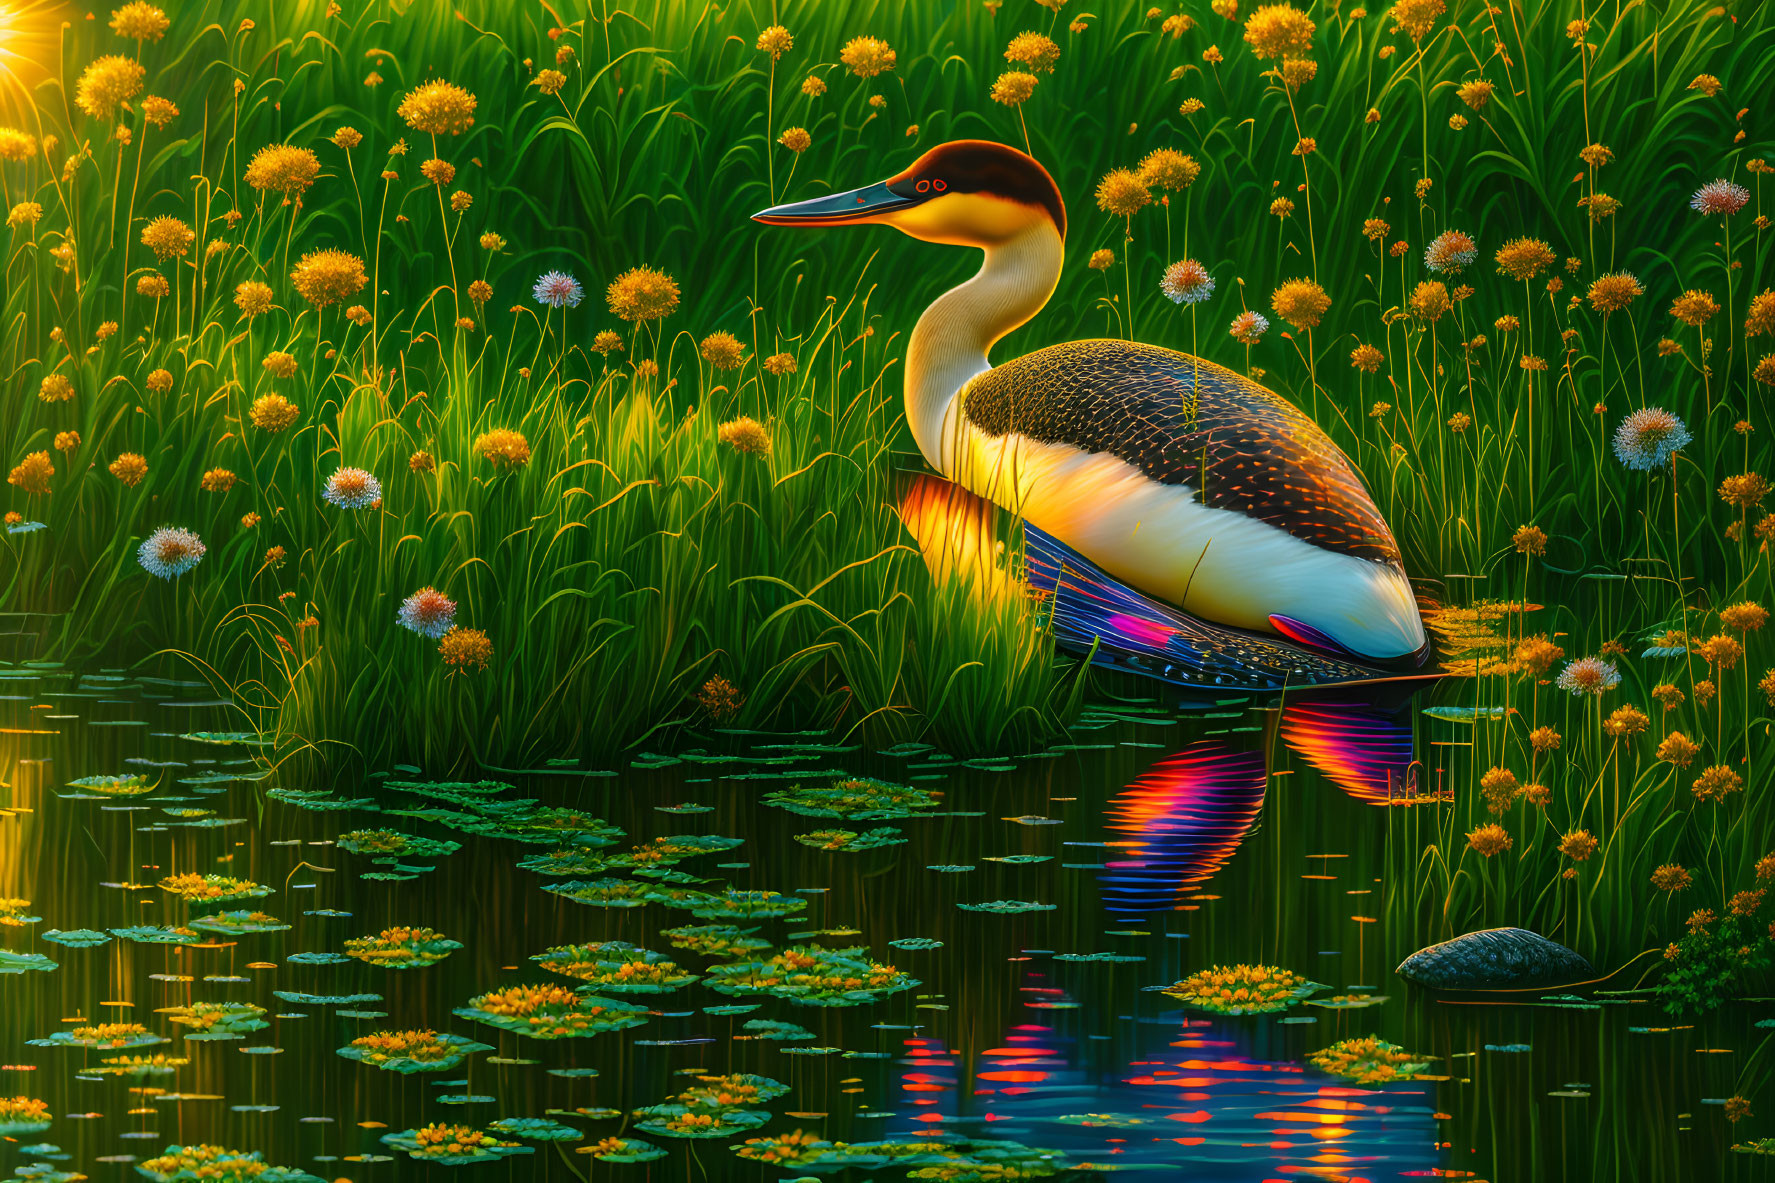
{"type": "Point", "coordinates": [868, 204]}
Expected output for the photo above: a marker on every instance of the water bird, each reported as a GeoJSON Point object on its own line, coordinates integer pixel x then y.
{"type": "Point", "coordinates": [1192, 524]}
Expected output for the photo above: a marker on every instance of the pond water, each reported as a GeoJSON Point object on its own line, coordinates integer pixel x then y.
{"type": "Point", "coordinates": [1163, 844]}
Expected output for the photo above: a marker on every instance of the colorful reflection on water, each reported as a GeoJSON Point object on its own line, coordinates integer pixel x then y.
{"type": "Point", "coordinates": [1164, 844]}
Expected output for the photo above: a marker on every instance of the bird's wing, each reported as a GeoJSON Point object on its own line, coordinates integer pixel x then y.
{"type": "Point", "coordinates": [1184, 421]}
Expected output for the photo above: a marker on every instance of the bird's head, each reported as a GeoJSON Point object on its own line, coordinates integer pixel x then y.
{"type": "Point", "coordinates": [965, 192]}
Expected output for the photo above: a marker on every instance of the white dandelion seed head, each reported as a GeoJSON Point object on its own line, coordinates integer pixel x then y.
{"type": "Point", "coordinates": [353, 488]}
{"type": "Point", "coordinates": [1187, 282]}
{"type": "Point", "coordinates": [1647, 438]}
{"type": "Point", "coordinates": [1719, 197]}
{"type": "Point", "coordinates": [1589, 675]}
{"type": "Point", "coordinates": [170, 551]}
{"type": "Point", "coordinates": [557, 289]}
{"type": "Point", "coordinates": [428, 612]}
{"type": "Point", "coordinates": [1450, 251]}
{"type": "Point", "coordinates": [1249, 327]}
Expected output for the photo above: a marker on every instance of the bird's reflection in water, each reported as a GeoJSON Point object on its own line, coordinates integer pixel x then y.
{"type": "Point", "coordinates": [1196, 1097]}
{"type": "Point", "coordinates": [1183, 818]}
{"type": "Point", "coordinates": [1364, 750]}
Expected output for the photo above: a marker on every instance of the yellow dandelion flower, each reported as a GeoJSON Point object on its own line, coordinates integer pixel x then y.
{"type": "Point", "coordinates": [1122, 194]}
{"type": "Point", "coordinates": [438, 108]}
{"type": "Point", "coordinates": [503, 448]}
{"type": "Point", "coordinates": [280, 364]}
{"type": "Point", "coordinates": [1279, 31]}
{"type": "Point", "coordinates": [56, 388]}
{"type": "Point", "coordinates": [328, 276]}
{"type": "Point", "coordinates": [108, 83]}
{"type": "Point", "coordinates": [776, 41]}
{"type": "Point", "coordinates": [129, 468]}
{"type": "Point", "coordinates": [723, 350]}
{"type": "Point", "coordinates": [1167, 168]}
{"type": "Point", "coordinates": [1301, 302]}
{"type": "Point", "coordinates": [32, 473]}
{"type": "Point", "coordinates": [745, 434]}
{"type": "Point", "coordinates": [642, 293]}
{"type": "Point", "coordinates": [168, 237]}
{"type": "Point", "coordinates": [283, 168]}
{"type": "Point", "coordinates": [1034, 50]}
{"type": "Point", "coordinates": [1013, 88]}
{"type": "Point", "coordinates": [272, 412]}
{"type": "Point", "coordinates": [867, 57]}
{"type": "Point", "coordinates": [1694, 307]}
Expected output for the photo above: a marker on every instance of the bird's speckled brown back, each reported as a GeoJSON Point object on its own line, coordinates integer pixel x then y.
{"type": "Point", "coordinates": [1182, 421]}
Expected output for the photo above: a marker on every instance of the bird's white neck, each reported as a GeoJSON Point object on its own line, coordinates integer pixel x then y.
{"type": "Point", "coordinates": [950, 343]}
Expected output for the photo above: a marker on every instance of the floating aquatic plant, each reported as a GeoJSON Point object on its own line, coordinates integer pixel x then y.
{"type": "Point", "coordinates": [604, 893]}
{"type": "Point", "coordinates": [23, 1115]}
{"type": "Point", "coordinates": [140, 1067]}
{"type": "Point", "coordinates": [115, 786]}
{"type": "Point", "coordinates": [396, 843]}
{"type": "Point", "coordinates": [716, 940]}
{"type": "Point", "coordinates": [402, 948]}
{"type": "Point", "coordinates": [1242, 989]}
{"type": "Point", "coordinates": [1008, 907]}
{"type": "Point", "coordinates": [452, 1145]}
{"type": "Point", "coordinates": [550, 1012]}
{"type": "Point", "coordinates": [239, 923]}
{"type": "Point", "coordinates": [617, 967]}
{"type": "Point", "coordinates": [812, 976]}
{"type": "Point", "coordinates": [13, 913]}
{"type": "Point", "coordinates": [217, 1020]}
{"type": "Point", "coordinates": [859, 798]}
{"type": "Point", "coordinates": [666, 851]}
{"type": "Point", "coordinates": [180, 1163]}
{"type": "Point", "coordinates": [212, 888]}
{"type": "Point", "coordinates": [76, 938]}
{"type": "Point", "coordinates": [578, 861]}
{"type": "Point", "coordinates": [1369, 1060]}
{"type": "Point", "coordinates": [103, 1036]}
{"type": "Point", "coordinates": [734, 904]}
{"type": "Point", "coordinates": [622, 1150]}
{"type": "Point", "coordinates": [412, 1051]}
{"type": "Point", "coordinates": [852, 840]}
{"type": "Point", "coordinates": [539, 1129]}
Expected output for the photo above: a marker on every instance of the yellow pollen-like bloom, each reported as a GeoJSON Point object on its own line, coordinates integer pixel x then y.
{"type": "Point", "coordinates": [283, 168]}
{"type": "Point", "coordinates": [1694, 307]}
{"type": "Point", "coordinates": [129, 468]}
{"type": "Point", "coordinates": [1279, 31]}
{"type": "Point", "coordinates": [549, 81]}
{"type": "Point", "coordinates": [16, 145]}
{"type": "Point", "coordinates": [796, 139]}
{"type": "Point", "coordinates": [273, 412]}
{"type": "Point", "coordinates": [56, 388]}
{"type": "Point", "coordinates": [438, 108]}
{"type": "Point", "coordinates": [642, 293]}
{"type": "Point", "coordinates": [33, 473]}
{"type": "Point", "coordinates": [1013, 88]}
{"type": "Point", "coordinates": [328, 277]}
{"type": "Point", "coordinates": [1121, 193]}
{"type": "Point", "coordinates": [1612, 292]}
{"type": "Point", "coordinates": [167, 237]}
{"type": "Point", "coordinates": [867, 56]}
{"type": "Point", "coordinates": [745, 434]}
{"type": "Point", "coordinates": [280, 364]}
{"type": "Point", "coordinates": [776, 41]}
{"type": "Point", "coordinates": [1034, 50]}
{"type": "Point", "coordinates": [108, 83]}
{"type": "Point", "coordinates": [723, 350]}
{"type": "Point", "coordinates": [503, 448]}
{"type": "Point", "coordinates": [469, 649]}
{"type": "Point", "coordinates": [1301, 302]}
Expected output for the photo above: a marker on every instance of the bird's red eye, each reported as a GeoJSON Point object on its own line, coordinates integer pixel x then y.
{"type": "Point", "coordinates": [922, 186]}
{"type": "Point", "coordinates": [939, 186]}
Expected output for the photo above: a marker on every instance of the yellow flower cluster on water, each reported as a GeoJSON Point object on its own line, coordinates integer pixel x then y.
{"type": "Point", "coordinates": [203, 1162]}
{"type": "Point", "coordinates": [194, 886]}
{"type": "Point", "coordinates": [1368, 1060]}
{"type": "Point", "coordinates": [382, 1046]}
{"type": "Point", "coordinates": [1243, 987]}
